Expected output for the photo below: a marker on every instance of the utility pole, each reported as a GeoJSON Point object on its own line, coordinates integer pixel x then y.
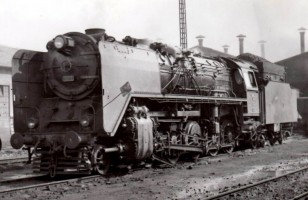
{"type": "Point", "coordinates": [183, 26]}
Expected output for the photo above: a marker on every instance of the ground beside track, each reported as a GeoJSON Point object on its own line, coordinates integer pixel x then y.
{"type": "Point", "coordinates": [11, 169]}
{"type": "Point", "coordinates": [188, 180]}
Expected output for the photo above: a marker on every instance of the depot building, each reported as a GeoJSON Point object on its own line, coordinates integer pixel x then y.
{"type": "Point", "coordinates": [6, 105]}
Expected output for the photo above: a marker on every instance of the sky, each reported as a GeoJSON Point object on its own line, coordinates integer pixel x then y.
{"type": "Point", "coordinates": [30, 24]}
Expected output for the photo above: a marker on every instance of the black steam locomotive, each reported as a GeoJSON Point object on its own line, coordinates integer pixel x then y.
{"type": "Point", "coordinates": [91, 100]}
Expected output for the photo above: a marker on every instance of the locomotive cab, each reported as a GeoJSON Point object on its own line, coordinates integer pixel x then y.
{"type": "Point", "coordinates": [252, 93]}
{"type": "Point", "coordinates": [246, 86]}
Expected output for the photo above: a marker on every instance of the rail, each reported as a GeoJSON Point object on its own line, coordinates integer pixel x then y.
{"type": "Point", "coordinates": [305, 194]}
{"type": "Point", "coordinates": [13, 161]}
{"type": "Point", "coordinates": [48, 184]}
{"type": "Point", "coordinates": [256, 184]}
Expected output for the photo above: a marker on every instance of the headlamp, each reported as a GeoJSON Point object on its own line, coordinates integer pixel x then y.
{"type": "Point", "coordinates": [32, 123]}
{"type": "Point", "coordinates": [85, 121]}
{"type": "Point", "coordinates": [61, 42]}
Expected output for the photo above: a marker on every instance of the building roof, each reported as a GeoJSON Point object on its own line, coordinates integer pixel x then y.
{"type": "Point", "coordinates": [6, 55]}
{"type": "Point", "coordinates": [205, 51]}
{"type": "Point", "coordinates": [297, 72]}
{"type": "Point", "coordinates": [252, 58]}
{"type": "Point", "coordinates": [298, 56]}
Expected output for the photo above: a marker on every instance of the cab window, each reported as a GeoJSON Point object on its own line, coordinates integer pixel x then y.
{"type": "Point", "coordinates": [250, 80]}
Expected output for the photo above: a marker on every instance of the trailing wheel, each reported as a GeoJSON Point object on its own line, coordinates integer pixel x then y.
{"type": "Point", "coordinates": [100, 160]}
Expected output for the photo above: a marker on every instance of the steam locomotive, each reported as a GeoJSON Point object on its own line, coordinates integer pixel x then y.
{"type": "Point", "coordinates": [92, 101]}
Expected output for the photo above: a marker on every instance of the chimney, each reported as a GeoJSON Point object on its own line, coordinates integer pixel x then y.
{"type": "Point", "coordinates": [302, 40]}
{"type": "Point", "coordinates": [200, 40]}
{"type": "Point", "coordinates": [262, 42]}
{"type": "Point", "coordinates": [226, 47]}
{"type": "Point", "coordinates": [241, 40]}
{"type": "Point", "coordinates": [97, 33]}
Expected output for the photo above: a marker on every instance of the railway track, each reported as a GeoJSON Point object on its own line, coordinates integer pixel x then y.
{"type": "Point", "coordinates": [18, 178]}
{"type": "Point", "coordinates": [236, 193]}
{"type": "Point", "coordinates": [26, 186]}
{"type": "Point", "coordinates": [13, 161]}
{"type": "Point", "coordinates": [39, 181]}
{"type": "Point", "coordinates": [302, 196]}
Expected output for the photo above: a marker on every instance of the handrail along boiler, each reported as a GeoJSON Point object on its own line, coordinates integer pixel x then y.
{"type": "Point", "coordinates": [91, 100]}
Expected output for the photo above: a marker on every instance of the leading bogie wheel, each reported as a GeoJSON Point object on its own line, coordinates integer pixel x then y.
{"type": "Point", "coordinates": [100, 160]}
